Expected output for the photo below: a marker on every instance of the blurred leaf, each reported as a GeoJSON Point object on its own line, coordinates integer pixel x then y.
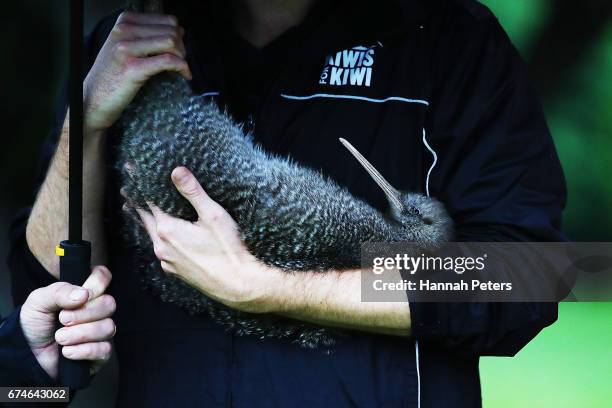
{"type": "Point", "coordinates": [522, 19]}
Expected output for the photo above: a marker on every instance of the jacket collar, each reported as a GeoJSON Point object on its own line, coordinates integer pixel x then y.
{"type": "Point", "coordinates": [345, 23]}
{"type": "Point", "coordinates": [333, 25]}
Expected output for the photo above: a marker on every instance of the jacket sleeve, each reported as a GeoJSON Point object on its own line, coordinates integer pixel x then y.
{"type": "Point", "coordinates": [497, 172]}
{"type": "Point", "coordinates": [18, 366]}
{"type": "Point", "coordinates": [27, 273]}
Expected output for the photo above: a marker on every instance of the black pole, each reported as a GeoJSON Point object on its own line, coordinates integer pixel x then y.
{"type": "Point", "coordinates": [75, 214]}
{"type": "Point", "coordinates": [75, 254]}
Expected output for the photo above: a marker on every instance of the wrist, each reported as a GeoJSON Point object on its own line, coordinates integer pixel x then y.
{"type": "Point", "coordinates": [284, 290]}
{"type": "Point", "coordinates": [272, 291]}
{"type": "Point", "coordinates": [90, 133]}
{"type": "Point", "coordinates": [93, 138]}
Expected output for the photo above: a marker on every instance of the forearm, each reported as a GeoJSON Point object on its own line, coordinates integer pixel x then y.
{"type": "Point", "coordinates": [210, 256]}
{"type": "Point", "coordinates": [48, 222]}
{"type": "Point", "coordinates": [334, 299]}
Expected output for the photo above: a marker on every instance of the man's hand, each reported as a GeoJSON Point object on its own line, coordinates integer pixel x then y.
{"type": "Point", "coordinates": [84, 311]}
{"type": "Point", "coordinates": [139, 47]}
{"type": "Point", "coordinates": [209, 254]}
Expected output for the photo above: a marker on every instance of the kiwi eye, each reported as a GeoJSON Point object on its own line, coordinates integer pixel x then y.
{"type": "Point", "coordinates": [415, 211]}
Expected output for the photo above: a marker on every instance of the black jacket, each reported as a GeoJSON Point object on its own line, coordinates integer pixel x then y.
{"type": "Point", "coordinates": [440, 103]}
{"type": "Point", "coordinates": [18, 366]}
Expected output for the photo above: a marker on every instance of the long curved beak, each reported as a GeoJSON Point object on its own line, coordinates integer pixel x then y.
{"type": "Point", "coordinates": [392, 194]}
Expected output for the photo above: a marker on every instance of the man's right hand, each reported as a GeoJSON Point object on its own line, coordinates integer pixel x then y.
{"type": "Point", "coordinates": [139, 47]}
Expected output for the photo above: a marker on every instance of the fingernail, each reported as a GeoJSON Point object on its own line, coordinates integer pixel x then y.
{"type": "Point", "coordinates": [66, 317]}
{"type": "Point", "coordinates": [77, 294]}
{"type": "Point", "coordinates": [180, 175]}
{"type": "Point", "coordinates": [67, 352]}
{"type": "Point", "coordinates": [129, 169]}
{"type": "Point", "coordinates": [60, 336]}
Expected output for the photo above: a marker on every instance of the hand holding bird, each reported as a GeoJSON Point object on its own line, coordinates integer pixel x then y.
{"type": "Point", "coordinates": [208, 254]}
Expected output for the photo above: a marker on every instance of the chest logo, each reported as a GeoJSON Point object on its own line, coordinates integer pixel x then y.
{"type": "Point", "coordinates": [351, 67]}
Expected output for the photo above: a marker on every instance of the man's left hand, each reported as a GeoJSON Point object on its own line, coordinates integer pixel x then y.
{"type": "Point", "coordinates": [209, 254]}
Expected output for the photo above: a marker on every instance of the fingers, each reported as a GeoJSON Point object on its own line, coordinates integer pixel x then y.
{"type": "Point", "coordinates": [128, 201]}
{"type": "Point", "coordinates": [210, 213]}
{"type": "Point", "coordinates": [158, 214]}
{"type": "Point", "coordinates": [96, 309]}
{"type": "Point", "coordinates": [151, 226]}
{"type": "Point", "coordinates": [168, 267]}
{"type": "Point", "coordinates": [53, 298]}
{"type": "Point", "coordinates": [159, 44]}
{"type": "Point", "coordinates": [98, 281]}
{"type": "Point", "coordinates": [98, 351]}
{"type": "Point", "coordinates": [190, 188]}
{"type": "Point", "coordinates": [147, 18]}
{"type": "Point", "coordinates": [129, 169]}
{"type": "Point", "coordinates": [144, 68]}
{"type": "Point", "coordinates": [100, 330]}
{"type": "Point", "coordinates": [89, 327]}
{"type": "Point", "coordinates": [139, 46]}
{"type": "Point", "coordinates": [147, 44]}
{"type": "Point", "coordinates": [127, 31]}
{"type": "Point", "coordinates": [148, 221]}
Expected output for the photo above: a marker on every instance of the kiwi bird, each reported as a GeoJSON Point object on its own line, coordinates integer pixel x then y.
{"type": "Point", "coordinates": [289, 216]}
